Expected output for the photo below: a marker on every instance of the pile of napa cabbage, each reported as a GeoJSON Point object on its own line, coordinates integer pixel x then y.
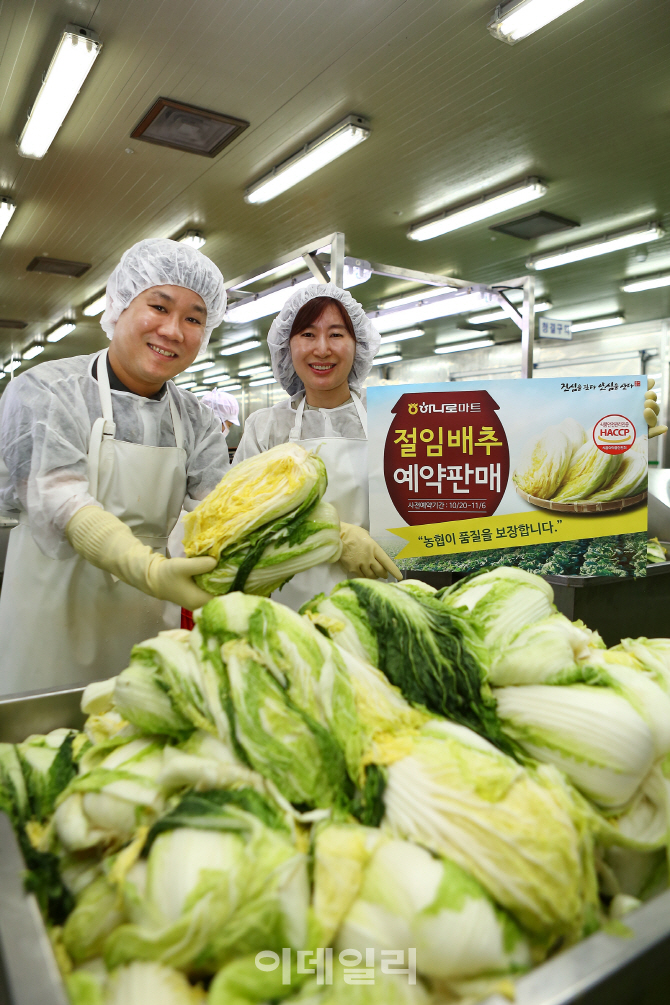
{"type": "Point", "coordinates": [465, 776]}
{"type": "Point", "coordinates": [560, 464]}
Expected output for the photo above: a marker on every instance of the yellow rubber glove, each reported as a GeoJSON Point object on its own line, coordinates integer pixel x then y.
{"type": "Point", "coordinates": [362, 556]}
{"type": "Point", "coordinates": [651, 410]}
{"type": "Point", "coordinates": [105, 541]}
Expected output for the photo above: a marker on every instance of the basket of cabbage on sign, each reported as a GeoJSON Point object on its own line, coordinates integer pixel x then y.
{"type": "Point", "coordinates": [560, 470]}
{"type": "Point", "coordinates": [264, 522]}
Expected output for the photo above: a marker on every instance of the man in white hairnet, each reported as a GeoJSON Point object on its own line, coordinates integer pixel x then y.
{"type": "Point", "coordinates": [322, 345]}
{"type": "Point", "coordinates": [224, 406]}
{"type": "Point", "coordinates": [100, 454]}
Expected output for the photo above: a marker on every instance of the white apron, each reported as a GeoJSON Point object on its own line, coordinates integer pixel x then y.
{"type": "Point", "coordinates": [62, 621]}
{"type": "Point", "coordinates": [346, 461]}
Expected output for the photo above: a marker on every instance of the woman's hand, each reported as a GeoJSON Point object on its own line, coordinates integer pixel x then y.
{"type": "Point", "coordinates": [651, 410]}
{"type": "Point", "coordinates": [362, 557]}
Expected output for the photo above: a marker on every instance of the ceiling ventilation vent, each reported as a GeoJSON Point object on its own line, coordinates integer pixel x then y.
{"type": "Point", "coordinates": [535, 225]}
{"type": "Point", "coordinates": [185, 127]}
{"type": "Point", "coordinates": [6, 323]}
{"type": "Point", "coordinates": [58, 267]}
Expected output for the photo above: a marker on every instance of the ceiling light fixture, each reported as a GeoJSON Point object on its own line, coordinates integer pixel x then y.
{"type": "Point", "coordinates": [73, 59]}
{"type": "Point", "coordinates": [412, 298]}
{"type": "Point", "coordinates": [215, 378]}
{"type": "Point", "coordinates": [386, 359]}
{"type": "Point", "coordinates": [483, 319]}
{"type": "Point", "coordinates": [401, 336]}
{"type": "Point", "coordinates": [96, 306]}
{"type": "Point", "coordinates": [600, 246]}
{"type": "Point", "coordinates": [241, 347]}
{"type": "Point", "coordinates": [32, 352]}
{"type": "Point", "coordinates": [416, 314]}
{"type": "Point", "coordinates": [264, 304]}
{"type": "Point", "coordinates": [483, 343]}
{"type": "Point", "coordinates": [595, 323]}
{"type": "Point", "coordinates": [7, 207]}
{"type": "Point", "coordinates": [186, 384]}
{"type": "Point", "coordinates": [478, 209]}
{"type": "Point", "coordinates": [14, 364]}
{"type": "Point", "coordinates": [205, 364]}
{"type": "Point", "coordinates": [261, 381]}
{"type": "Point", "coordinates": [231, 387]}
{"type": "Point", "coordinates": [514, 21]}
{"type": "Point", "coordinates": [58, 333]}
{"type": "Point", "coordinates": [193, 238]}
{"type": "Point", "coordinates": [646, 283]}
{"type": "Point", "coordinates": [255, 371]}
{"type": "Point", "coordinates": [348, 133]}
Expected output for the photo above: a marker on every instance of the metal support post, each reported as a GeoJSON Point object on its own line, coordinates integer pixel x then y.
{"type": "Point", "coordinates": [527, 327]}
{"type": "Point", "coordinates": [664, 391]}
{"type": "Point", "coordinates": [316, 268]}
{"type": "Point", "coordinates": [337, 259]}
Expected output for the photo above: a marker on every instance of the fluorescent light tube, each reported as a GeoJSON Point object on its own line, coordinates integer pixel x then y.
{"type": "Point", "coordinates": [261, 381]}
{"type": "Point", "coordinates": [193, 238]}
{"type": "Point", "coordinates": [61, 332]}
{"type": "Point", "coordinates": [205, 364]}
{"type": "Point", "coordinates": [272, 302]}
{"type": "Point", "coordinates": [187, 384]}
{"type": "Point", "coordinates": [411, 298]}
{"type": "Point", "coordinates": [96, 307]}
{"type": "Point", "coordinates": [483, 319]}
{"type": "Point", "coordinates": [255, 371]}
{"type": "Point", "coordinates": [215, 378]}
{"type": "Point", "coordinates": [594, 323]}
{"type": "Point", "coordinates": [34, 351]}
{"type": "Point", "coordinates": [380, 360]}
{"type": "Point", "coordinates": [479, 209]}
{"type": "Point", "coordinates": [454, 303]}
{"type": "Point", "coordinates": [12, 365]}
{"type": "Point", "coordinates": [401, 336]}
{"type": "Point", "coordinates": [72, 61]}
{"type": "Point", "coordinates": [514, 21]}
{"type": "Point", "coordinates": [348, 133]}
{"type": "Point", "coordinates": [240, 347]}
{"type": "Point", "coordinates": [7, 207]}
{"type": "Point", "coordinates": [460, 347]}
{"type": "Point", "coordinates": [648, 283]}
{"type": "Point", "coordinates": [601, 246]}
{"type": "Point", "coordinates": [232, 387]}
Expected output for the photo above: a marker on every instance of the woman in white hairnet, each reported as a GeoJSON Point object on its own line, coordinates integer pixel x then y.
{"type": "Point", "coordinates": [100, 454]}
{"type": "Point", "coordinates": [322, 345]}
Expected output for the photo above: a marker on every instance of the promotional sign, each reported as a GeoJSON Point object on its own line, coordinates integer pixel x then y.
{"type": "Point", "coordinates": [478, 466]}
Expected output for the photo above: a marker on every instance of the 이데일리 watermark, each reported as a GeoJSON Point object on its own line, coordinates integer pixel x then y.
{"type": "Point", "coordinates": [320, 962]}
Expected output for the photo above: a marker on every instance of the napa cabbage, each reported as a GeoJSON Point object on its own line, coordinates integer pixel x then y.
{"type": "Point", "coordinates": [13, 794]}
{"type": "Point", "coordinates": [500, 603]}
{"type": "Point", "coordinates": [545, 652]}
{"type": "Point", "coordinates": [264, 522]}
{"type": "Point", "coordinates": [424, 647]}
{"type": "Point", "coordinates": [521, 834]}
{"type": "Point", "coordinates": [229, 884]}
{"type": "Point", "coordinates": [575, 433]}
{"type": "Point", "coordinates": [629, 479]}
{"type": "Point", "coordinates": [410, 899]}
{"type": "Point", "coordinates": [47, 764]}
{"type": "Point", "coordinates": [590, 469]}
{"type": "Point", "coordinates": [544, 462]}
{"type": "Point", "coordinates": [134, 984]}
{"type": "Point", "coordinates": [591, 733]}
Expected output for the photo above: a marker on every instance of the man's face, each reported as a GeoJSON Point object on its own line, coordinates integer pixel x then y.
{"type": "Point", "coordinates": [159, 334]}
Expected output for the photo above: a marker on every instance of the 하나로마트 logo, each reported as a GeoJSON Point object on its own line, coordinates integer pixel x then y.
{"type": "Point", "coordinates": [614, 434]}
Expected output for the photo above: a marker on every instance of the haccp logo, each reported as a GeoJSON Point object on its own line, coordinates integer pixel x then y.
{"type": "Point", "coordinates": [614, 434]}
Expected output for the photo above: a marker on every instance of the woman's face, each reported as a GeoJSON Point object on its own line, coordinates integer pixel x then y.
{"type": "Point", "coordinates": [159, 334]}
{"type": "Point", "coordinates": [323, 354]}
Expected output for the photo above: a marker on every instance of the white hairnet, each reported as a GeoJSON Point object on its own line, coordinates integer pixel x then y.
{"type": "Point", "coordinates": [159, 262]}
{"type": "Point", "coordinates": [367, 337]}
{"type": "Point", "coordinates": [224, 405]}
